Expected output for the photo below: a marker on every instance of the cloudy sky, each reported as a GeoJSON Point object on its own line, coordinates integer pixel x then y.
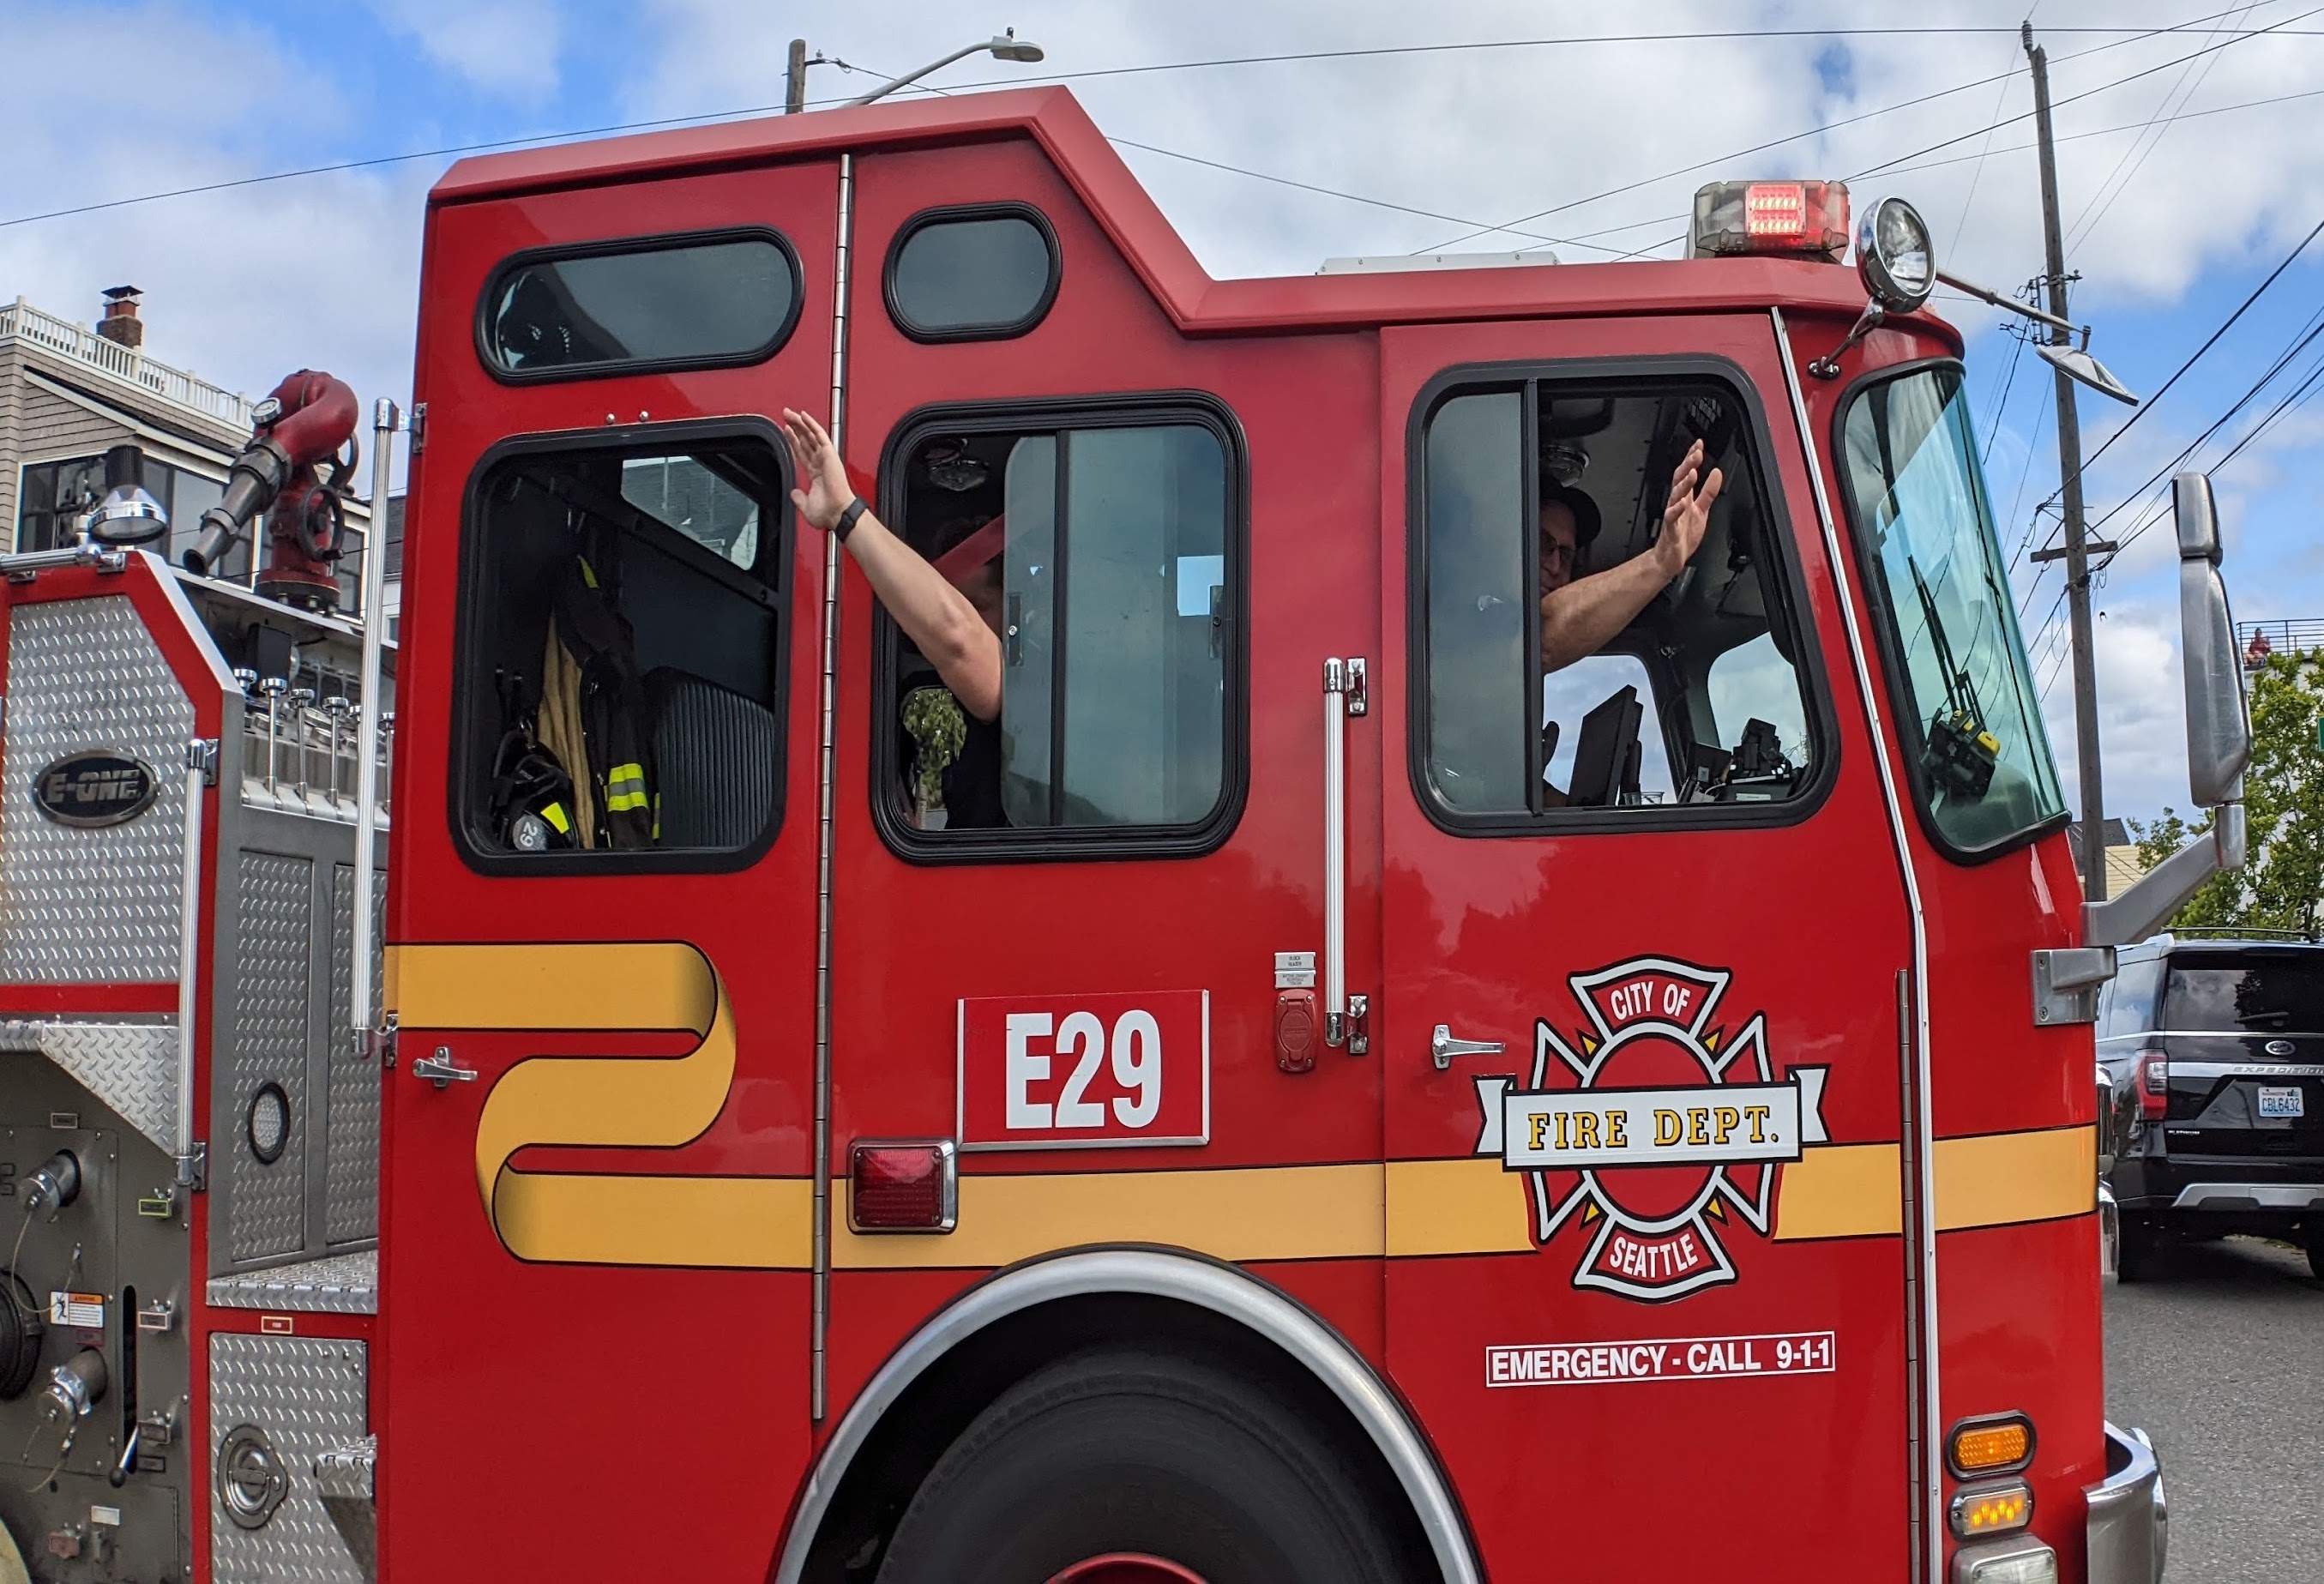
{"type": "Point", "coordinates": [2191, 162]}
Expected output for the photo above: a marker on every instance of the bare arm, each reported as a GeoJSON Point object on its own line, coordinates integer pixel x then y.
{"type": "Point", "coordinates": [1583, 616]}
{"type": "Point", "coordinates": [936, 616]}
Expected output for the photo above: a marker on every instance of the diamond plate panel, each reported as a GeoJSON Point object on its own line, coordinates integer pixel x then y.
{"type": "Point", "coordinates": [351, 1124]}
{"type": "Point", "coordinates": [82, 905]}
{"type": "Point", "coordinates": [132, 1067]}
{"type": "Point", "coordinates": [308, 1395]}
{"type": "Point", "coordinates": [336, 1283]}
{"type": "Point", "coordinates": [267, 1204]}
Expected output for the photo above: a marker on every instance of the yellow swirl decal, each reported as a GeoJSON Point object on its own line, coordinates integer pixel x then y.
{"type": "Point", "coordinates": [633, 1102]}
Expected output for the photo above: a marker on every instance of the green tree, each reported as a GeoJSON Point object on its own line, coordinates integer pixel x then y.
{"type": "Point", "coordinates": [2281, 885]}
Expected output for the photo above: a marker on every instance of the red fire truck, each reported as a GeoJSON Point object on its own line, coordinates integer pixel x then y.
{"type": "Point", "coordinates": [1283, 1100]}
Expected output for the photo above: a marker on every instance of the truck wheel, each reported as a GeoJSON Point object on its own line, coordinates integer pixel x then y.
{"type": "Point", "coordinates": [1128, 1466]}
{"type": "Point", "coordinates": [2316, 1254]}
{"type": "Point", "coordinates": [2140, 1253]}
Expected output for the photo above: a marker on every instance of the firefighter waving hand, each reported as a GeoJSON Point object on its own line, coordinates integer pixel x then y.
{"type": "Point", "coordinates": [1580, 614]}
{"type": "Point", "coordinates": [952, 615]}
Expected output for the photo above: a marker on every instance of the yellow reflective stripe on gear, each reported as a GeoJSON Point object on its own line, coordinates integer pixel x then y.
{"type": "Point", "coordinates": [588, 572]}
{"type": "Point", "coordinates": [554, 814]}
{"type": "Point", "coordinates": [625, 787]}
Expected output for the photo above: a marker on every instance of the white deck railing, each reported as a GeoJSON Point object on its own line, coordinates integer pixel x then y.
{"type": "Point", "coordinates": [21, 320]}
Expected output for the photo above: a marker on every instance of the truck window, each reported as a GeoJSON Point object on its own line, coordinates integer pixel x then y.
{"type": "Point", "coordinates": [622, 654]}
{"type": "Point", "coordinates": [1105, 555]}
{"type": "Point", "coordinates": [985, 273]}
{"type": "Point", "coordinates": [1527, 490]}
{"type": "Point", "coordinates": [656, 302]}
{"type": "Point", "coordinates": [1980, 762]}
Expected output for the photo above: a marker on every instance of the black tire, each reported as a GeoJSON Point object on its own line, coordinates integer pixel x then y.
{"type": "Point", "coordinates": [1122, 1450]}
{"type": "Point", "coordinates": [2316, 1254]}
{"type": "Point", "coordinates": [2138, 1257]}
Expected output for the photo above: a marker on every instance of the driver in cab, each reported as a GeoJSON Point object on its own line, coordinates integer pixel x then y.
{"type": "Point", "coordinates": [1580, 615]}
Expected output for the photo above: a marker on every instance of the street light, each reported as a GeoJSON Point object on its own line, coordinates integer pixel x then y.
{"type": "Point", "coordinates": [1005, 46]}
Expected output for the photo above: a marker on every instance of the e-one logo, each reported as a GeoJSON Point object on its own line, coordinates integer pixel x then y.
{"type": "Point", "coordinates": [94, 788]}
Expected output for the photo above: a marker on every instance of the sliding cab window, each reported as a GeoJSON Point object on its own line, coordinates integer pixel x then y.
{"type": "Point", "coordinates": [701, 300]}
{"type": "Point", "coordinates": [1101, 550]}
{"type": "Point", "coordinates": [1567, 680]}
{"type": "Point", "coordinates": [620, 676]}
{"type": "Point", "coordinates": [1970, 717]}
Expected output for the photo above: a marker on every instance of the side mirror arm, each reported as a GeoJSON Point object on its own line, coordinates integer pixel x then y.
{"type": "Point", "coordinates": [2165, 888]}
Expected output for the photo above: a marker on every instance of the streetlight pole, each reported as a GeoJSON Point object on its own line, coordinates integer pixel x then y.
{"type": "Point", "coordinates": [1001, 46]}
{"type": "Point", "coordinates": [1005, 46]}
{"type": "Point", "coordinates": [2076, 553]}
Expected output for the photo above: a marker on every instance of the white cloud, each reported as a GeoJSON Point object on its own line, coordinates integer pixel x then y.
{"type": "Point", "coordinates": [507, 47]}
{"type": "Point", "coordinates": [242, 285]}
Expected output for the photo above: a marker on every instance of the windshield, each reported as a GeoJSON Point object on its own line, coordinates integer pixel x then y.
{"type": "Point", "coordinates": [2240, 995]}
{"type": "Point", "coordinates": [1973, 725]}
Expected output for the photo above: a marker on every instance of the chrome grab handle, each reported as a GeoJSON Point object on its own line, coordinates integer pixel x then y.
{"type": "Point", "coordinates": [441, 1070]}
{"type": "Point", "coordinates": [1343, 695]}
{"type": "Point", "coordinates": [1443, 1047]}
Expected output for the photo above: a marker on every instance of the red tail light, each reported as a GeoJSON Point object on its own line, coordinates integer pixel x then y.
{"type": "Point", "coordinates": [2154, 1084]}
{"type": "Point", "coordinates": [904, 1185]}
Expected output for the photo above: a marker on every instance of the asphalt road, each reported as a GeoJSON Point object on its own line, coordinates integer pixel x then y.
{"type": "Point", "coordinates": [2220, 1358]}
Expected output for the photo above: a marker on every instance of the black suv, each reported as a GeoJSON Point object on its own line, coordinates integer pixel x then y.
{"type": "Point", "coordinates": [2211, 1073]}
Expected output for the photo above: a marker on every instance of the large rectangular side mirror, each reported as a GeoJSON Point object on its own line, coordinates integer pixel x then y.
{"type": "Point", "coordinates": [2219, 721]}
{"type": "Point", "coordinates": [2219, 744]}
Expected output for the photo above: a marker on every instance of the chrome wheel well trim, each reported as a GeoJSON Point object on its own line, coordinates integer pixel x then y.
{"type": "Point", "coordinates": [1221, 1289]}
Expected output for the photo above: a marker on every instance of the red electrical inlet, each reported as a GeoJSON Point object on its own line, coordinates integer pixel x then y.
{"type": "Point", "coordinates": [903, 1185]}
{"type": "Point", "coordinates": [2154, 1084]}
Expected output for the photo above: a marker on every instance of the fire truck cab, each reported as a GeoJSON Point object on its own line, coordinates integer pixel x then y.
{"type": "Point", "coordinates": [1429, 1035]}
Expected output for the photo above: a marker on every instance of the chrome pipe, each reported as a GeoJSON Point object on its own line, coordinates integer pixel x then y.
{"type": "Point", "coordinates": [369, 595]}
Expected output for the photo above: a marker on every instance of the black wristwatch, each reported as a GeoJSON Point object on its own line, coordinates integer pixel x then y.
{"type": "Point", "coordinates": [846, 524]}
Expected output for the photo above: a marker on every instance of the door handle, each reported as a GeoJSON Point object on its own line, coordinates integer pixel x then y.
{"type": "Point", "coordinates": [441, 1070]}
{"type": "Point", "coordinates": [1443, 1047]}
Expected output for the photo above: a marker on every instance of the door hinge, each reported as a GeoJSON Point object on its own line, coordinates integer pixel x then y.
{"type": "Point", "coordinates": [378, 1043]}
{"type": "Point", "coordinates": [202, 754]}
{"type": "Point", "coordinates": [1360, 1028]}
{"type": "Point", "coordinates": [418, 438]}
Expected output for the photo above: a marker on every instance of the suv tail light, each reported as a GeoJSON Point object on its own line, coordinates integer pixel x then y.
{"type": "Point", "coordinates": [2154, 1084]}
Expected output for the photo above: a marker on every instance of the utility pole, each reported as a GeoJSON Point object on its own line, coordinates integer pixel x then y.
{"type": "Point", "coordinates": [2076, 553]}
{"type": "Point", "coordinates": [795, 82]}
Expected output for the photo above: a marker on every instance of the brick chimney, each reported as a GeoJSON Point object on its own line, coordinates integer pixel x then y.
{"type": "Point", "coordinates": [119, 321]}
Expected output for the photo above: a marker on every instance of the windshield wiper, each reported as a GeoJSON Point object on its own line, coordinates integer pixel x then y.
{"type": "Point", "coordinates": [1961, 753]}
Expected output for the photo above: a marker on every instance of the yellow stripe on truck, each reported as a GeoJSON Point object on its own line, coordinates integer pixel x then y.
{"type": "Point", "coordinates": [1361, 1211]}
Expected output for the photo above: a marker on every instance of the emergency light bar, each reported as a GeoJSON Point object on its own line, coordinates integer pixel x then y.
{"type": "Point", "coordinates": [1794, 219]}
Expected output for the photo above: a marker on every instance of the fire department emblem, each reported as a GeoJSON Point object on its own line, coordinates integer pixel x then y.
{"type": "Point", "coordinates": [1654, 1126]}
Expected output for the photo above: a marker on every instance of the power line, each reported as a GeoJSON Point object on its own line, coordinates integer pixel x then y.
{"type": "Point", "coordinates": [2135, 156]}
{"type": "Point", "coordinates": [2085, 92]}
{"type": "Point", "coordinates": [2209, 342]}
{"type": "Point", "coordinates": [611, 129]}
{"type": "Point", "coordinates": [2119, 34]}
{"type": "Point", "coordinates": [1846, 121]}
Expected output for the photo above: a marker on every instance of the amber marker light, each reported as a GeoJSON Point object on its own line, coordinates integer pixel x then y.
{"type": "Point", "coordinates": [2000, 1443]}
{"type": "Point", "coordinates": [1991, 1509]}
